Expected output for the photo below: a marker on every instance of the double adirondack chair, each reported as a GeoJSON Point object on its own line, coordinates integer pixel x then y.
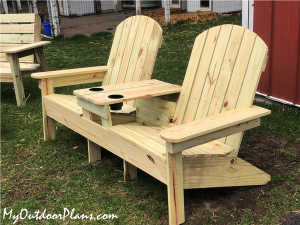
{"type": "Point", "coordinates": [187, 142]}
{"type": "Point", "coordinates": [21, 50]}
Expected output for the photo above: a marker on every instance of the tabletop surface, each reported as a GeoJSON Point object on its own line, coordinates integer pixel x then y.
{"type": "Point", "coordinates": [104, 95]}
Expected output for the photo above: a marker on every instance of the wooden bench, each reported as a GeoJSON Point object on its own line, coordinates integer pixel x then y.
{"type": "Point", "coordinates": [21, 50]}
{"type": "Point", "coordinates": [191, 141]}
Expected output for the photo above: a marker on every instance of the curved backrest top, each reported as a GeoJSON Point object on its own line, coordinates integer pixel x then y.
{"type": "Point", "coordinates": [223, 73]}
{"type": "Point", "coordinates": [134, 50]}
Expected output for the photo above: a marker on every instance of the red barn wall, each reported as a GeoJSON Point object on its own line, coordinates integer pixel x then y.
{"type": "Point", "coordinates": [278, 24]}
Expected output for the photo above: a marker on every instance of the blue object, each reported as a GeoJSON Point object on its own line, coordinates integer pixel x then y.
{"type": "Point", "coordinates": [47, 28]}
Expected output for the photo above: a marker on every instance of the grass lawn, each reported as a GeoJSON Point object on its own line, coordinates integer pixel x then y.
{"type": "Point", "coordinates": [54, 175]}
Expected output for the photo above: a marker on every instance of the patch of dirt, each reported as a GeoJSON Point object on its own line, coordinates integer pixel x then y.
{"type": "Point", "coordinates": [274, 155]}
{"type": "Point", "coordinates": [179, 14]}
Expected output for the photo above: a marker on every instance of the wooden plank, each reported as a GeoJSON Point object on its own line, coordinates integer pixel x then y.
{"type": "Point", "coordinates": [221, 172]}
{"type": "Point", "coordinates": [137, 49]}
{"type": "Point", "coordinates": [211, 149]}
{"type": "Point", "coordinates": [68, 102]}
{"type": "Point", "coordinates": [71, 72]}
{"type": "Point", "coordinates": [249, 85]}
{"type": "Point", "coordinates": [211, 78]}
{"type": "Point", "coordinates": [86, 93]}
{"type": "Point", "coordinates": [113, 52]}
{"type": "Point", "coordinates": [94, 150]}
{"type": "Point", "coordinates": [197, 70]}
{"type": "Point", "coordinates": [48, 122]}
{"type": "Point", "coordinates": [17, 79]}
{"type": "Point", "coordinates": [177, 147]}
{"type": "Point", "coordinates": [155, 111]}
{"type": "Point", "coordinates": [143, 50]}
{"type": "Point", "coordinates": [21, 18]}
{"type": "Point", "coordinates": [121, 49]}
{"type": "Point", "coordinates": [214, 99]}
{"type": "Point", "coordinates": [5, 77]}
{"type": "Point", "coordinates": [23, 66]}
{"type": "Point", "coordinates": [78, 79]}
{"type": "Point", "coordinates": [17, 38]}
{"type": "Point", "coordinates": [97, 109]}
{"type": "Point", "coordinates": [137, 94]}
{"type": "Point", "coordinates": [128, 50]}
{"type": "Point", "coordinates": [37, 28]}
{"type": "Point", "coordinates": [27, 47]}
{"type": "Point", "coordinates": [17, 28]}
{"type": "Point", "coordinates": [145, 160]}
{"type": "Point", "coordinates": [150, 146]}
{"type": "Point", "coordinates": [214, 123]}
{"type": "Point", "coordinates": [175, 187]}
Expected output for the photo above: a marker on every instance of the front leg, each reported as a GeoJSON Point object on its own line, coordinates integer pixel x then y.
{"type": "Point", "coordinates": [17, 79]}
{"type": "Point", "coordinates": [175, 186]}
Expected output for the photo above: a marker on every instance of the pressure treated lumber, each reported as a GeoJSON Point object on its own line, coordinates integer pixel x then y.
{"type": "Point", "coordinates": [221, 172]}
{"type": "Point", "coordinates": [70, 72]}
{"type": "Point", "coordinates": [214, 123]}
{"type": "Point", "coordinates": [26, 47]}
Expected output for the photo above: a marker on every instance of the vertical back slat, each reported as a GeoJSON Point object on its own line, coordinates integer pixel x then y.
{"type": "Point", "coordinates": [212, 74]}
{"type": "Point", "coordinates": [249, 85]}
{"type": "Point", "coordinates": [113, 52]}
{"type": "Point", "coordinates": [189, 108]}
{"type": "Point", "coordinates": [136, 50]}
{"type": "Point", "coordinates": [190, 76]}
{"type": "Point", "coordinates": [128, 51]}
{"type": "Point", "coordinates": [121, 50]}
{"type": "Point", "coordinates": [226, 71]}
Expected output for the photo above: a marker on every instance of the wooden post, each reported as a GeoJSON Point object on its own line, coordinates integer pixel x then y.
{"type": "Point", "coordinates": [130, 171]}
{"type": "Point", "coordinates": [40, 58]}
{"type": "Point", "coordinates": [138, 7]}
{"type": "Point", "coordinates": [54, 16]}
{"type": "Point", "coordinates": [17, 79]}
{"type": "Point", "coordinates": [4, 7]}
{"type": "Point", "coordinates": [175, 186]}
{"type": "Point", "coordinates": [94, 150]}
{"type": "Point", "coordinates": [167, 12]}
{"type": "Point", "coordinates": [116, 7]}
{"type": "Point", "coordinates": [48, 123]}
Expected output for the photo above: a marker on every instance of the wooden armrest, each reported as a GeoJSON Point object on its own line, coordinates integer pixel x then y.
{"type": "Point", "coordinates": [27, 47]}
{"type": "Point", "coordinates": [71, 72]}
{"type": "Point", "coordinates": [212, 124]}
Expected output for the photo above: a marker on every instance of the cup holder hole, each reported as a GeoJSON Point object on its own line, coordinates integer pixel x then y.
{"type": "Point", "coordinates": [96, 89]}
{"type": "Point", "coordinates": [115, 96]}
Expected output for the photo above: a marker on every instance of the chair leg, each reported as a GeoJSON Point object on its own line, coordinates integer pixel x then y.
{"type": "Point", "coordinates": [94, 150]}
{"type": "Point", "coordinates": [40, 58]}
{"type": "Point", "coordinates": [130, 171]}
{"type": "Point", "coordinates": [175, 188]}
{"type": "Point", "coordinates": [17, 79]}
{"type": "Point", "coordinates": [48, 122]}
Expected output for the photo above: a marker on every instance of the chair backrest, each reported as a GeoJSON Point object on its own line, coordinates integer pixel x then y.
{"type": "Point", "coordinates": [222, 74]}
{"type": "Point", "coordinates": [133, 51]}
{"type": "Point", "coordinates": [19, 29]}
